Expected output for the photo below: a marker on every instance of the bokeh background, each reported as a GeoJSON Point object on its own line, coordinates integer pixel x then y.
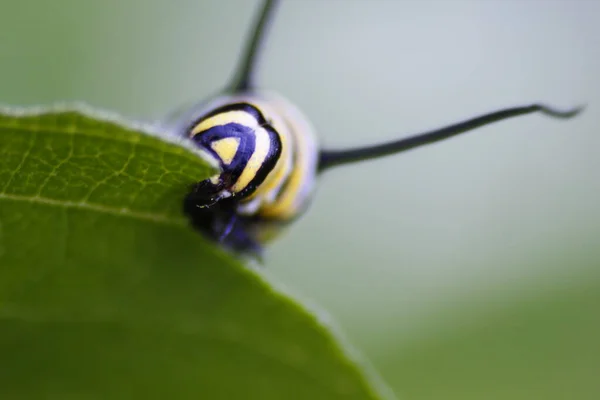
{"type": "Point", "coordinates": [469, 269]}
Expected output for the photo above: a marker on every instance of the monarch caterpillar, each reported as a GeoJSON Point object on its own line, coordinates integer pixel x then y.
{"type": "Point", "coordinates": [268, 156]}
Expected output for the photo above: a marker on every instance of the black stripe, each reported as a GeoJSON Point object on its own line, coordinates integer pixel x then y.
{"type": "Point", "coordinates": [268, 165]}
{"type": "Point", "coordinates": [295, 158]}
{"type": "Point", "coordinates": [245, 149]}
{"type": "Point", "coordinates": [218, 132]}
{"type": "Point", "coordinates": [241, 106]}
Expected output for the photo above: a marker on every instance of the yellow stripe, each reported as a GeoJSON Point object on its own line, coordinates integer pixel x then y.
{"type": "Point", "coordinates": [301, 179]}
{"type": "Point", "coordinates": [282, 169]}
{"type": "Point", "coordinates": [226, 148]}
{"type": "Point", "coordinates": [287, 202]}
{"type": "Point", "coordinates": [238, 117]}
{"type": "Point", "coordinates": [261, 150]}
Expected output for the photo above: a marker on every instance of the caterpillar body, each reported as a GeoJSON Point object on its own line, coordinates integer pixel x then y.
{"type": "Point", "coordinates": [268, 156]}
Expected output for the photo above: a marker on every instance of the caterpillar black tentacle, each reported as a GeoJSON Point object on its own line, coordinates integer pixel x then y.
{"type": "Point", "coordinates": [331, 158]}
{"type": "Point", "coordinates": [245, 78]}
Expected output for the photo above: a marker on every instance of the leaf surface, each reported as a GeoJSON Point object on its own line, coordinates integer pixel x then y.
{"type": "Point", "coordinates": [105, 291]}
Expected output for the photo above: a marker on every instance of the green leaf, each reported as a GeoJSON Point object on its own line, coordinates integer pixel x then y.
{"type": "Point", "coordinates": [105, 292]}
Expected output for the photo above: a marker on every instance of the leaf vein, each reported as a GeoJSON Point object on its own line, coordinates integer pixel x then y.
{"type": "Point", "coordinates": [58, 165]}
{"type": "Point", "coordinates": [126, 212]}
{"type": "Point", "coordinates": [25, 156]}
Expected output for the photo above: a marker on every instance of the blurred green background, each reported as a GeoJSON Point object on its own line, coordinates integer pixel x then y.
{"type": "Point", "coordinates": [466, 270]}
